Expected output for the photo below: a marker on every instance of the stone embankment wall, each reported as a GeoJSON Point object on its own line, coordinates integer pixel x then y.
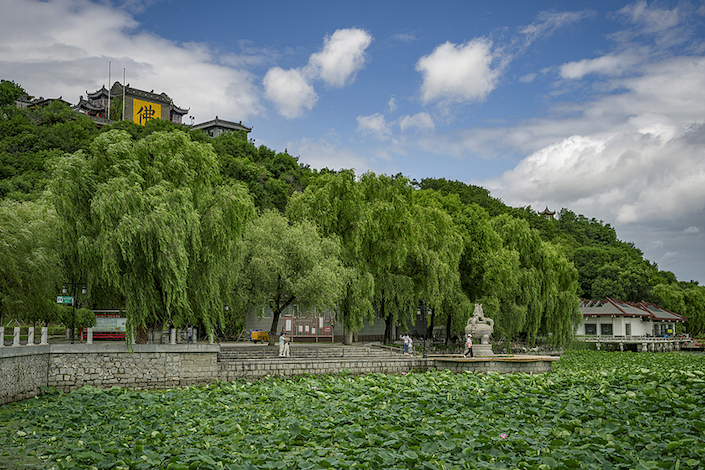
{"type": "Point", "coordinates": [147, 367]}
{"type": "Point", "coordinates": [24, 370]}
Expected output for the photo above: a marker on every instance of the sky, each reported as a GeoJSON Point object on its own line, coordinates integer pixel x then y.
{"type": "Point", "coordinates": [593, 106]}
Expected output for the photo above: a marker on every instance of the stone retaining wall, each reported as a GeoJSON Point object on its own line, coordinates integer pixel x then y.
{"type": "Point", "coordinates": [25, 369]}
{"type": "Point", "coordinates": [289, 367]}
{"type": "Point", "coordinates": [147, 367]}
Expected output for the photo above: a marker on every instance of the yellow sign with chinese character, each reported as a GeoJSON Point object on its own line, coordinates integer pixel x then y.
{"type": "Point", "coordinates": [143, 111]}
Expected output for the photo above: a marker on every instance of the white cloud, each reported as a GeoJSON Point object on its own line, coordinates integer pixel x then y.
{"type": "Point", "coordinates": [421, 121]}
{"type": "Point", "coordinates": [610, 64]}
{"type": "Point", "coordinates": [343, 54]}
{"type": "Point", "coordinates": [548, 22]}
{"type": "Point", "coordinates": [458, 73]}
{"type": "Point", "coordinates": [62, 48]}
{"type": "Point", "coordinates": [651, 19]}
{"type": "Point", "coordinates": [692, 229]}
{"type": "Point", "coordinates": [404, 37]}
{"type": "Point", "coordinates": [337, 64]}
{"type": "Point", "coordinates": [374, 124]}
{"type": "Point", "coordinates": [290, 91]}
{"type": "Point", "coordinates": [326, 154]}
{"type": "Point", "coordinates": [392, 104]}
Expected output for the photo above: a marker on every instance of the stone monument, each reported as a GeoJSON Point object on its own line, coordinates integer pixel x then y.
{"type": "Point", "coordinates": [480, 328]}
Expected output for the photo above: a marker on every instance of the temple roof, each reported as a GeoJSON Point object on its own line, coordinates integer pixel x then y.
{"type": "Point", "coordinates": [547, 212]}
{"type": "Point", "coordinates": [102, 93]}
{"type": "Point", "coordinates": [116, 91]}
{"type": "Point", "coordinates": [615, 307]}
{"type": "Point", "coordinates": [223, 124]}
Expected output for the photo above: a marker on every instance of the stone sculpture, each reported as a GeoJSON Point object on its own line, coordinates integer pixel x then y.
{"type": "Point", "coordinates": [480, 327]}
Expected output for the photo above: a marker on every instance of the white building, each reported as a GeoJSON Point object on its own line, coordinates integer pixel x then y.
{"type": "Point", "coordinates": [612, 317]}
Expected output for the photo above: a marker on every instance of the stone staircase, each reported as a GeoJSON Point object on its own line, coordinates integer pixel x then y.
{"type": "Point", "coordinates": [304, 351]}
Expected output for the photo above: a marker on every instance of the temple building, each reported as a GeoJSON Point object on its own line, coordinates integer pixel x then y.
{"type": "Point", "coordinates": [140, 106]}
{"type": "Point", "coordinates": [547, 214]}
{"type": "Point", "coordinates": [216, 127]}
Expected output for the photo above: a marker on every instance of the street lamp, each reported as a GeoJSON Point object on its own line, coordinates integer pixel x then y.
{"type": "Point", "coordinates": [425, 332]}
{"type": "Point", "coordinates": [64, 291]}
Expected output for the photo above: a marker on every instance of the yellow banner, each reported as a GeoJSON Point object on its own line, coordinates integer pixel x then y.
{"type": "Point", "coordinates": [143, 111]}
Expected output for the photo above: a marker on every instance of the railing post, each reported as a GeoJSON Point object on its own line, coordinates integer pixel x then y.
{"type": "Point", "coordinates": [172, 338]}
{"type": "Point", "coordinates": [2, 336]}
{"type": "Point", "coordinates": [45, 335]}
{"type": "Point", "coordinates": [16, 337]}
{"type": "Point", "coordinates": [89, 336]}
{"type": "Point", "coordinates": [30, 336]}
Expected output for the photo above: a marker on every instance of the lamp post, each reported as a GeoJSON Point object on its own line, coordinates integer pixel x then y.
{"type": "Point", "coordinates": [425, 332]}
{"type": "Point", "coordinates": [64, 291]}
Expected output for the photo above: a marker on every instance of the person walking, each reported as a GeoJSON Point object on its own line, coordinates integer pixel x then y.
{"type": "Point", "coordinates": [282, 343]}
{"type": "Point", "coordinates": [411, 344]}
{"type": "Point", "coordinates": [405, 338]}
{"type": "Point", "coordinates": [190, 334]}
{"type": "Point", "coordinates": [468, 346]}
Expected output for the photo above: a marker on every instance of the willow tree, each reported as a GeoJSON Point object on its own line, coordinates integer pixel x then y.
{"type": "Point", "coordinates": [402, 248]}
{"type": "Point", "coordinates": [287, 263]}
{"type": "Point", "coordinates": [334, 202]}
{"type": "Point", "coordinates": [30, 267]}
{"type": "Point", "coordinates": [545, 297]}
{"type": "Point", "coordinates": [150, 219]}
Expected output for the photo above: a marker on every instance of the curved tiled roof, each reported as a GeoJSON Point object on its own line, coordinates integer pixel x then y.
{"type": "Point", "coordinates": [615, 307]}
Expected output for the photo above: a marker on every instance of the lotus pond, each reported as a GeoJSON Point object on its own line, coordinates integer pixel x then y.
{"type": "Point", "coordinates": [595, 410]}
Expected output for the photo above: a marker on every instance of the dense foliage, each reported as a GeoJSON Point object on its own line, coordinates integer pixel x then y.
{"type": "Point", "coordinates": [152, 201]}
{"type": "Point", "coordinates": [595, 411]}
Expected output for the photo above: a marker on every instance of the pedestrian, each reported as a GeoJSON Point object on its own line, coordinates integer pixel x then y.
{"type": "Point", "coordinates": [190, 334]}
{"type": "Point", "coordinates": [405, 337]}
{"type": "Point", "coordinates": [468, 347]}
{"type": "Point", "coordinates": [286, 345]}
{"type": "Point", "coordinates": [411, 344]}
{"type": "Point", "coordinates": [282, 343]}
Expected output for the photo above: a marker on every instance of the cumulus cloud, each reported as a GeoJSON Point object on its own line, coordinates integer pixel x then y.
{"type": "Point", "coordinates": [336, 65]}
{"type": "Point", "coordinates": [692, 229]}
{"type": "Point", "coordinates": [455, 73]}
{"type": "Point", "coordinates": [343, 54]}
{"type": "Point", "coordinates": [289, 90]}
{"type": "Point", "coordinates": [62, 48]}
{"type": "Point", "coordinates": [420, 121]}
{"type": "Point", "coordinates": [375, 124]}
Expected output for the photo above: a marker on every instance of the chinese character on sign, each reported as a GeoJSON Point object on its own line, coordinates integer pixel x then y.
{"type": "Point", "coordinates": [145, 114]}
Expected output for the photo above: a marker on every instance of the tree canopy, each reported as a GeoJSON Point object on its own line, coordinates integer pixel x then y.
{"type": "Point", "coordinates": [150, 219]}
{"type": "Point", "coordinates": [287, 263]}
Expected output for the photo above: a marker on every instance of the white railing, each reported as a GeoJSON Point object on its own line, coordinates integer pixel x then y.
{"type": "Point", "coordinates": [632, 338]}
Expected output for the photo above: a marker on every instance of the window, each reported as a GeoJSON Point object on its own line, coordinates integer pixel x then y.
{"type": "Point", "coordinates": [606, 330]}
{"type": "Point", "coordinates": [590, 329]}
{"type": "Point", "coordinates": [628, 329]}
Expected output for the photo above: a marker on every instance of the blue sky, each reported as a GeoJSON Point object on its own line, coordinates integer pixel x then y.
{"type": "Point", "coordinates": [595, 106]}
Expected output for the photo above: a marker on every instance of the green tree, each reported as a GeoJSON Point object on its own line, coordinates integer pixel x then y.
{"type": "Point", "coordinates": [287, 263]}
{"type": "Point", "coordinates": [546, 299]}
{"type": "Point", "coordinates": [9, 92]}
{"type": "Point", "coordinates": [688, 301]}
{"type": "Point", "coordinates": [335, 203]}
{"type": "Point", "coordinates": [149, 219]}
{"type": "Point", "coordinates": [30, 268]}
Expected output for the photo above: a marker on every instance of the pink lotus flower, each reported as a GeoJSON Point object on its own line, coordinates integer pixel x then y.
{"type": "Point", "coordinates": [314, 387]}
{"type": "Point", "coordinates": [503, 435]}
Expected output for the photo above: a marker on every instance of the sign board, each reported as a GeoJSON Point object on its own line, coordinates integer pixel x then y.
{"type": "Point", "coordinates": [64, 299]}
{"type": "Point", "coordinates": [109, 324]}
{"type": "Point", "coordinates": [144, 111]}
